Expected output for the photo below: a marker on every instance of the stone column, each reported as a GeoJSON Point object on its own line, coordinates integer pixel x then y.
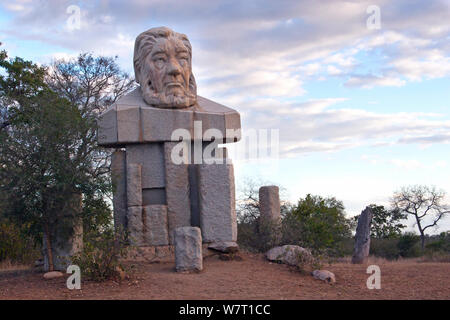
{"type": "Point", "coordinates": [362, 237]}
{"type": "Point", "coordinates": [269, 203]}
{"type": "Point", "coordinates": [119, 182]}
{"type": "Point", "coordinates": [177, 189]}
{"type": "Point", "coordinates": [269, 208]}
{"type": "Point", "coordinates": [134, 203]}
{"type": "Point", "coordinates": [217, 202]}
{"type": "Point", "coordinates": [188, 249]}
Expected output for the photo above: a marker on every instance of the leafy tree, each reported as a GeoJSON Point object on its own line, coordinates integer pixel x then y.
{"type": "Point", "coordinates": [48, 151]}
{"type": "Point", "coordinates": [385, 223]}
{"type": "Point", "coordinates": [424, 203]}
{"type": "Point", "coordinates": [37, 173]}
{"type": "Point", "coordinates": [323, 222]}
{"type": "Point", "coordinates": [92, 84]}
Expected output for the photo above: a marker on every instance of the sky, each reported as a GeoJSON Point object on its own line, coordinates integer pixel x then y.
{"type": "Point", "coordinates": [358, 91]}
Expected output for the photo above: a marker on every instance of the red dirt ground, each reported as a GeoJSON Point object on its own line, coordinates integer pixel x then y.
{"type": "Point", "coordinates": [251, 278]}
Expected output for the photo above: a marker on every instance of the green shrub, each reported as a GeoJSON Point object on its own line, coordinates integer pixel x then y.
{"type": "Point", "coordinates": [442, 244]}
{"type": "Point", "coordinates": [256, 236]}
{"type": "Point", "coordinates": [15, 245]}
{"type": "Point", "coordinates": [100, 258]}
{"type": "Point", "coordinates": [385, 248]}
{"type": "Point", "coordinates": [408, 245]}
{"type": "Point", "coordinates": [322, 223]}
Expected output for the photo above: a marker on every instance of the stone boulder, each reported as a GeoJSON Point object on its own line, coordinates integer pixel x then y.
{"type": "Point", "coordinates": [289, 254]}
{"type": "Point", "coordinates": [324, 275]}
{"type": "Point", "coordinates": [53, 275]}
{"type": "Point", "coordinates": [188, 249]}
{"type": "Point", "coordinates": [362, 237]}
{"type": "Point", "coordinates": [224, 246]}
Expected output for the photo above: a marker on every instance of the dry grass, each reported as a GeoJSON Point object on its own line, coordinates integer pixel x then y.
{"type": "Point", "coordinates": [435, 257]}
{"type": "Point", "coordinates": [382, 261]}
{"type": "Point", "coordinates": [8, 265]}
{"type": "Point", "coordinates": [253, 277]}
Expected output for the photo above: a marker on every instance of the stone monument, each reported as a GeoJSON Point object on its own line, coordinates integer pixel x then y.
{"type": "Point", "coordinates": [362, 237]}
{"type": "Point", "coordinates": [269, 203]}
{"type": "Point", "coordinates": [168, 169]}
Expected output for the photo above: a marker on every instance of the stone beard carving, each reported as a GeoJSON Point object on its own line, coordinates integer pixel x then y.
{"type": "Point", "coordinates": [163, 68]}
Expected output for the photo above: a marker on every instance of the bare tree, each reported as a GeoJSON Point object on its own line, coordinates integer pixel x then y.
{"type": "Point", "coordinates": [424, 203]}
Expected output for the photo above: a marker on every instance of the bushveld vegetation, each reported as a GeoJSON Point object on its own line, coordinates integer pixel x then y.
{"type": "Point", "coordinates": [320, 224]}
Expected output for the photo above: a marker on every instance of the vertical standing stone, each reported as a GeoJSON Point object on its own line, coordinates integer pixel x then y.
{"type": "Point", "coordinates": [118, 175]}
{"type": "Point", "coordinates": [362, 237]}
{"type": "Point", "coordinates": [217, 202]}
{"type": "Point", "coordinates": [177, 190]}
{"type": "Point", "coordinates": [188, 249]}
{"type": "Point", "coordinates": [156, 230]}
{"type": "Point", "coordinates": [269, 203]}
{"type": "Point", "coordinates": [134, 185]}
{"type": "Point", "coordinates": [67, 236]}
{"type": "Point", "coordinates": [134, 201]}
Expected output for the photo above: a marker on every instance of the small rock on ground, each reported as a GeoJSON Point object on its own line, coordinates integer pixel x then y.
{"type": "Point", "coordinates": [53, 275]}
{"type": "Point", "coordinates": [289, 254]}
{"type": "Point", "coordinates": [324, 275]}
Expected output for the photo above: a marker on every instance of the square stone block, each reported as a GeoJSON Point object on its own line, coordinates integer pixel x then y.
{"type": "Point", "coordinates": [128, 124]}
{"type": "Point", "coordinates": [159, 124]}
{"type": "Point", "coordinates": [151, 157]}
{"type": "Point", "coordinates": [107, 127]}
{"type": "Point", "coordinates": [156, 228]}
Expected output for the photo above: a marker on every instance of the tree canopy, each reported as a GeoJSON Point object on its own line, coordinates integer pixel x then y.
{"type": "Point", "coordinates": [322, 220]}
{"type": "Point", "coordinates": [48, 149]}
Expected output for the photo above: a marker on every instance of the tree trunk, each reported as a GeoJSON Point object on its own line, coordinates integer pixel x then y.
{"type": "Point", "coordinates": [49, 248]}
{"type": "Point", "coordinates": [422, 234]}
{"type": "Point", "coordinates": [422, 238]}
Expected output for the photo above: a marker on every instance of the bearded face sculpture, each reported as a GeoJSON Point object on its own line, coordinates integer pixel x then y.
{"type": "Point", "coordinates": [163, 68]}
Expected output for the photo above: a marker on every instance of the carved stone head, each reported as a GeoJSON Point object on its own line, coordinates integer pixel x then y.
{"type": "Point", "coordinates": [163, 68]}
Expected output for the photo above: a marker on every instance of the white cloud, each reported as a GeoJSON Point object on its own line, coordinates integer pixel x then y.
{"type": "Point", "coordinates": [333, 71]}
{"type": "Point", "coordinates": [370, 81]}
{"type": "Point", "coordinates": [259, 57]}
{"type": "Point", "coordinates": [410, 164]}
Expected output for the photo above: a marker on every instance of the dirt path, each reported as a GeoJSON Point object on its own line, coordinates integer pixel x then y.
{"type": "Point", "coordinates": [252, 278]}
